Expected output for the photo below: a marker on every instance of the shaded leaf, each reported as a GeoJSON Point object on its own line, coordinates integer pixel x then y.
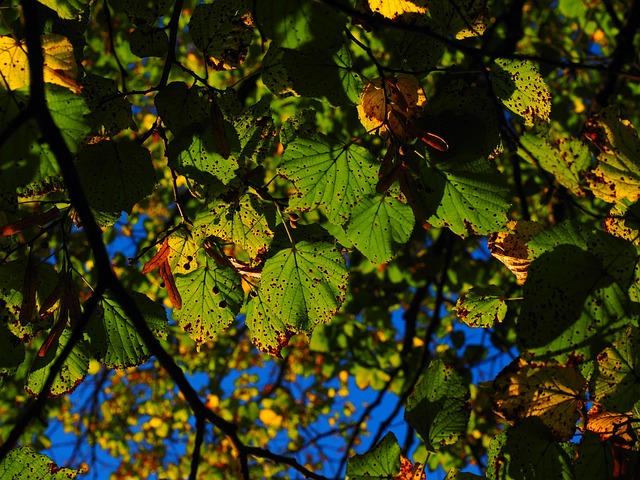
{"type": "Point", "coordinates": [379, 225]}
{"type": "Point", "coordinates": [554, 393]}
{"type": "Point", "coordinates": [482, 307]}
{"type": "Point", "coordinates": [521, 89]}
{"type": "Point", "coordinates": [148, 42]}
{"type": "Point", "coordinates": [67, 9]}
{"type": "Point", "coordinates": [212, 297]}
{"type": "Point", "coordinates": [381, 462]}
{"type": "Point", "coordinates": [595, 458]}
{"type": "Point", "coordinates": [180, 106]}
{"type": "Point", "coordinates": [438, 408]}
{"type": "Point", "coordinates": [617, 175]}
{"type": "Point", "coordinates": [107, 110]}
{"type": "Point", "coordinates": [335, 178]}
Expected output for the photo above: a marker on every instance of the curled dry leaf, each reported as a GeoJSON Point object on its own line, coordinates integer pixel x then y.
{"type": "Point", "coordinates": [36, 220]}
{"type": "Point", "coordinates": [511, 247]}
{"type": "Point", "coordinates": [408, 471]}
{"type": "Point", "coordinates": [170, 284]}
{"type": "Point", "coordinates": [158, 259]}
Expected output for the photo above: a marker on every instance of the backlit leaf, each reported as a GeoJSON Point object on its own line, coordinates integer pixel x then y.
{"type": "Point", "coordinates": [511, 247]}
{"type": "Point", "coordinates": [212, 296]}
{"type": "Point", "coordinates": [616, 384]}
{"type": "Point", "coordinates": [183, 252]}
{"type": "Point", "coordinates": [113, 337]}
{"type": "Point", "coordinates": [554, 393]}
{"type": "Point", "coordinates": [482, 307]}
{"type": "Point", "coordinates": [381, 462]}
{"type": "Point", "coordinates": [115, 174]}
{"type": "Point", "coordinates": [617, 175]}
{"type": "Point", "coordinates": [463, 18]}
{"type": "Point", "coordinates": [521, 89]}
{"type": "Point", "coordinates": [332, 177]}
{"type": "Point", "coordinates": [301, 287]}
{"type": "Point", "coordinates": [396, 9]}
{"type": "Point", "coordinates": [67, 9]}
{"type": "Point", "coordinates": [23, 463]}
{"type": "Point", "coordinates": [438, 408]}
{"type": "Point", "coordinates": [619, 428]}
{"type": "Point", "coordinates": [379, 225]}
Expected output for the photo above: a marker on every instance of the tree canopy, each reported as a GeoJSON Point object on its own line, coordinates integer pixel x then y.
{"type": "Point", "coordinates": [318, 238]}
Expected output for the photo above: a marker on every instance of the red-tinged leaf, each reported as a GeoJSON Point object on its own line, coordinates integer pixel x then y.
{"type": "Point", "coordinates": [169, 282]}
{"type": "Point", "coordinates": [56, 331]}
{"type": "Point", "coordinates": [53, 297]}
{"type": "Point", "coordinates": [158, 259]}
{"type": "Point", "coordinates": [29, 288]}
{"type": "Point", "coordinates": [20, 225]}
{"type": "Point", "coordinates": [434, 141]}
{"type": "Point", "coordinates": [219, 136]}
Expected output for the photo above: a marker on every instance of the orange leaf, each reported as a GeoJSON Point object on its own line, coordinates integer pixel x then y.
{"type": "Point", "coordinates": [511, 247]}
{"type": "Point", "coordinates": [20, 225]}
{"type": "Point", "coordinates": [158, 259]}
{"type": "Point", "coordinates": [169, 282]}
{"type": "Point", "coordinates": [610, 425]}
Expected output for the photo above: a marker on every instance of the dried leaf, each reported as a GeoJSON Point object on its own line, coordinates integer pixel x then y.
{"type": "Point", "coordinates": [511, 247]}
{"type": "Point", "coordinates": [170, 284]}
{"type": "Point", "coordinates": [36, 220]}
{"type": "Point", "coordinates": [158, 259]}
{"type": "Point", "coordinates": [396, 9]}
{"type": "Point", "coordinates": [617, 427]}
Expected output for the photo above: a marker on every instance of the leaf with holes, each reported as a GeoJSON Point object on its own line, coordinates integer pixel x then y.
{"type": "Point", "coordinates": [381, 462]}
{"type": "Point", "coordinates": [72, 373]}
{"type": "Point", "coordinates": [379, 225]}
{"type": "Point", "coordinates": [552, 392]}
{"type": "Point", "coordinates": [23, 463]}
{"type": "Point", "coordinates": [334, 178]}
{"type": "Point", "coordinates": [183, 252]}
{"type": "Point", "coordinates": [113, 337]}
{"type": "Point", "coordinates": [115, 175]}
{"type": "Point", "coordinates": [482, 307]}
{"type": "Point", "coordinates": [243, 222]}
{"type": "Point", "coordinates": [300, 287]}
{"type": "Point", "coordinates": [616, 384]}
{"type": "Point", "coordinates": [617, 174]}
{"type": "Point", "coordinates": [212, 296]}
{"type": "Point", "coordinates": [521, 89]}
{"type": "Point", "coordinates": [438, 408]}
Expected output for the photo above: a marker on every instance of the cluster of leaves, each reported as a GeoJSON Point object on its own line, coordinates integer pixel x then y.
{"type": "Point", "coordinates": [283, 176]}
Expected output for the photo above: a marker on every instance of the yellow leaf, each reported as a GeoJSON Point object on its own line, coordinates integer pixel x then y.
{"type": "Point", "coordinates": [511, 247]}
{"type": "Point", "coordinates": [395, 9]}
{"type": "Point", "coordinates": [270, 418]}
{"type": "Point", "coordinates": [552, 392]}
{"type": "Point", "coordinates": [617, 427]}
{"type": "Point", "coordinates": [60, 65]}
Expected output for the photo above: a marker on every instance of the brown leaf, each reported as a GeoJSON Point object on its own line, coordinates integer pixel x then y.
{"type": "Point", "coordinates": [169, 282]}
{"type": "Point", "coordinates": [511, 247]}
{"type": "Point", "coordinates": [54, 334]}
{"type": "Point", "coordinates": [617, 427]}
{"type": "Point", "coordinates": [20, 225]}
{"type": "Point", "coordinates": [158, 259]}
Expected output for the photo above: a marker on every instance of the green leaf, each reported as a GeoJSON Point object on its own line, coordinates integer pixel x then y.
{"type": "Point", "coordinates": [455, 474]}
{"type": "Point", "coordinates": [256, 130]}
{"type": "Point", "coordinates": [296, 23]}
{"type": "Point", "coordinates": [313, 73]}
{"type": "Point", "coordinates": [482, 307]}
{"type": "Point", "coordinates": [23, 463]}
{"type": "Point", "coordinates": [67, 9]}
{"type": "Point", "coordinates": [72, 373]}
{"type": "Point", "coordinates": [463, 18]}
{"type": "Point", "coordinates": [381, 462]}
{"type": "Point", "coordinates": [183, 252]}
{"type": "Point", "coordinates": [528, 451]}
{"type": "Point", "coordinates": [334, 178]}
{"type": "Point", "coordinates": [521, 89]}
{"type": "Point", "coordinates": [617, 175]}
{"type": "Point", "coordinates": [438, 408]}
{"type": "Point", "coordinates": [616, 385]}
{"type": "Point", "coordinates": [300, 287]}
{"type": "Point", "coordinates": [565, 158]}
{"type": "Point", "coordinates": [378, 225]}
{"type": "Point", "coordinates": [149, 42]}
{"type": "Point", "coordinates": [222, 30]}
{"type": "Point", "coordinates": [196, 156]}
{"type": "Point", "coordinates": [12, 352]}
{"type": "Point", "coordinates": [115, 175]}
{"type": "Point", "coordinates": [595, 458]}
{"type": "Point", "coordinates": [113, 337]}
{"type": "Point", "coordinates": [421, 52]}
{"type": "Point", "coordinates": [180, 106]}
{"type": "Point", "coordinates": [69, 112]}
{"type": "Point", "coordinates": [243, 222]}
{"type": "Point", "coordinates": [107, 110]}
{"type": "Point", "coordinates": [212, 296]}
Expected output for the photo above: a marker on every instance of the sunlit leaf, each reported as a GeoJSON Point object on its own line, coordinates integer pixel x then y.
{"type": "Point", "coordinates": [112, 334]}
{"type": "Point", "coordinates": [619, 428]}
{"type": "Point", "coordinates": [553, 393]}
{"type": "Point", "coordinates": [212, 296]}
{"type": "Point", "coordinates": [23, 463]}
{"type": "Point", "coordinates": [438, 407]}
{"type": "Point", "coordinates": [381, 462]}
{"type": "Point", "coordinates": [617, 175]}
{"type": "Point", "coordinates": [521, 89]}
{"type": "Point", "coordinates": [463, 18]}
{"type": "Point", "coordinates": [616, 384]}
{"type": "Point", "coordinates": [67, 9]}
{"type": "Point", "coordinates": [183, 252]}
{"type": "Point", "coordinates": [482, 307]}
{"type": "Point", "coordinates": [300, 287]}
{"type": "Point", "coordinates": [396, 9]}
{"type": "Point", "coordinates": [511, 247]}
{"type": "Point", "coordinates": [379, 225]}
{"type": "Point", "coordinates": [334, 177]}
